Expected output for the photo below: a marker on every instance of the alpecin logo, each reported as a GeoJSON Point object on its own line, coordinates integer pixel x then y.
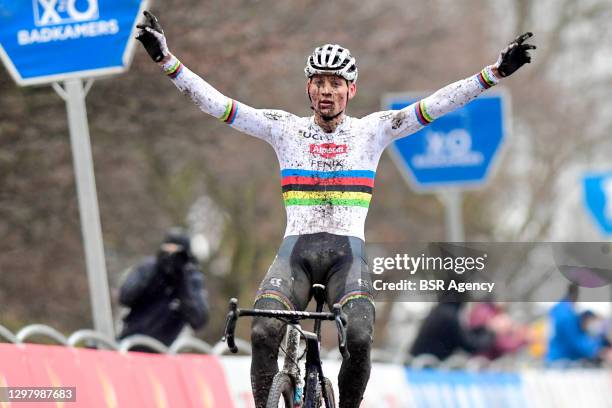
{"type": "Point", "coordinates": [328, 150]}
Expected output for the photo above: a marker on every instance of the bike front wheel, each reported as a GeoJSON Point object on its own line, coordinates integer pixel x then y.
{"type": "Point", "coordinates": [331, 398]}
{"type": "Point", "coordinates": [314, 397]}
{"type": "Point", "coordinates": [281, 392]}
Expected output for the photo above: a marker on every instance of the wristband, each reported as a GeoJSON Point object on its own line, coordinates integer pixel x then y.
{"type": "Point", "coordinates": [173, 67]}
{"type": "Point", "coordinates": [486, 78]}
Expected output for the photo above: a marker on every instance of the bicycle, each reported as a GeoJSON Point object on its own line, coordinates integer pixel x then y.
{"type": "Point", "coordinates": [288, 388]}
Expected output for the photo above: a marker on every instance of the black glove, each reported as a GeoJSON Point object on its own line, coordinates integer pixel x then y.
{"type": "Point", "coordinates": [515, 55]}
{"type": "Point", "coordinates": [152, 37]}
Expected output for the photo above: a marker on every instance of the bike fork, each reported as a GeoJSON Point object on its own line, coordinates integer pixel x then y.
{"type": "Point", "coordinates": [290, 365]}
{"type": "Point", "coordinates": [313, 366]}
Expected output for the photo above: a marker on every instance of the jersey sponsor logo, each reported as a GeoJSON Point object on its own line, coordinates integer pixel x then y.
{"type": "Point", "coordinates": [327, 165]}
{"type": "Point", "coordinates": [276, 282]}
{"type": "Point", "coordinates": [328, 150]}
{"type": "Point", "coordinates": [314, 135]}
{"type": "Point", "coordinates": [363, 283]}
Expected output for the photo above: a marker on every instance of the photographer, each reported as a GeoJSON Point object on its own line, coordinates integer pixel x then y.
{"type": "Point", "coordinates": [165, 293]}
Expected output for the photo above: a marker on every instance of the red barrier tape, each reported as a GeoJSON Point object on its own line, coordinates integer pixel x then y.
{"type": "Point", "coordinates": [107, 379]}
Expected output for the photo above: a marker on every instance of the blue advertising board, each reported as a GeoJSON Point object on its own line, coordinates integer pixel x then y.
{"type": "Point", "coordinates": [437, 388]}
{"type": "Point", "coordinates": [598, 199]}
{"type": "Point", "coordinates": [44, 41]}
{"type": "Point", "coordinates": [457, 149]}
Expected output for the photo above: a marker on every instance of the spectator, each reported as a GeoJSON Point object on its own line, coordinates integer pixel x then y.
{"type": "Point", "coordinates": [509, 336]}
{"type": "Point", "coordinates": [569, 341]}
{"type": "Point", "coordinates": [593, 326]}
{"type": "Point", "coordinates": [165, 293]}
{"type": "Point", "coordinates": [538, 338]}
{"type": "Point", "coordinates": [442, 333]}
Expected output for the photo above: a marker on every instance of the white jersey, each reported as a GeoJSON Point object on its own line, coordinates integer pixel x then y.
{"type": "Point", "coordinates": [327, 178]}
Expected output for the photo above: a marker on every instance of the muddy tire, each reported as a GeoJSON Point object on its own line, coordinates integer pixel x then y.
{"type": "Point", "coordinates": [329, 390]}
{"type": "Point", "coordinates": [281, 392]}
{"type": "Point", "coordinates": [312, 389]}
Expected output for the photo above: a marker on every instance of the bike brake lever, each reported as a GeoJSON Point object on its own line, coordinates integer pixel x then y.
{"type": "Point", "coordinates": [341, 324]}
{"type": "Point", "coordinates": [230, 325]}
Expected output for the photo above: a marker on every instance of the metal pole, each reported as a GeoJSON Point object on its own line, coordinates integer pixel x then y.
{"type": "Point", "coordinates": [88, 206]}
{"type": "Point", "coordinates": [452, 200]}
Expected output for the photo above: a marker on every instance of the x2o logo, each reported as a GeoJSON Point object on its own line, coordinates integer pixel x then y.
{"type": "Point", "coordinates": [53, 12]}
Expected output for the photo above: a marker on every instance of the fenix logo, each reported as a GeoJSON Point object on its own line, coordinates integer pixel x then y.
{"type": "Point", "coordinates": [53, 12]}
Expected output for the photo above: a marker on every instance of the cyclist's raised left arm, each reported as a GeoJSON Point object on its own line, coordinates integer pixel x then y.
{"type": "Point", "coordinates": [401, 123]}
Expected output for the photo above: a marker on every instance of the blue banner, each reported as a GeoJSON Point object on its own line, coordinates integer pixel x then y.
{"type": "Point", "coordinates": [49, 40]}
{"type": "Point", "coordinates": [457, 149]}
{"type": "Point", "coordinates": [458, 389]}
{"type": "Point", "coordinates": [598, 199]}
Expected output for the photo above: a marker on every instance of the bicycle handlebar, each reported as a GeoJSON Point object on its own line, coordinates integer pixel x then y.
{"type": "Point", "coordinates": [234, 313]}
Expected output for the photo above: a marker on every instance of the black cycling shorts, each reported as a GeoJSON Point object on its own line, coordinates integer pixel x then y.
{"type": "Point", "coordinates": [339, 262]}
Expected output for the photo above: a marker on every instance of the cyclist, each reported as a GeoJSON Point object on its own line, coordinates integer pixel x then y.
{"type": "Point", "coordinates": [328, 163]}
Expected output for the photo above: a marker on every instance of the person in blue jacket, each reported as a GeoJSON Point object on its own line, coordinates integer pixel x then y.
{"type": "Point", "coordinates": [568, 340]}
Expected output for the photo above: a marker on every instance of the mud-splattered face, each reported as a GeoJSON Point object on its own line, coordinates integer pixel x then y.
{"type": "Point", "coordinates": [329, 94]}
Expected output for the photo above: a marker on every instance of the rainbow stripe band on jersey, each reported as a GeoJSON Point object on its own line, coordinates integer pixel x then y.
{"type": "Point", "coordinates": [230, 112]}
{"type": "Point", "coordinates": [351, 188]}
{"type": "Point", "coordinates": [486, 78]}
{"type": "Point", "coordinates": [421, 113]}
{"type": "Point", "coordinates": [175, 69]}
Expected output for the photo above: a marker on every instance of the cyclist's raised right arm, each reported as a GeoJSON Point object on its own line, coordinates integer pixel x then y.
{"type": "Point", "coordinates": [260, 123]}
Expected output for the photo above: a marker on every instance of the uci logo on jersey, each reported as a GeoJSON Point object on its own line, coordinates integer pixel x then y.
{"type": "Point", "coordinates": [53, 12]}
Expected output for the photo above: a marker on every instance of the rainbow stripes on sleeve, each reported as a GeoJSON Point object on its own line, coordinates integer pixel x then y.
{"type": "Point", "coordinates": [174, 69]}
{"type": "Point", "coordinates": [486, 78]}
{"type": "Point", "coordinates": [230, 112]}
{"type": "Point", "coordinates": [351, 188]}
{"type": "Point", "coordinates": [421, 113]}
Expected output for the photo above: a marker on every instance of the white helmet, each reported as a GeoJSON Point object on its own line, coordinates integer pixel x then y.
{"type": "Point", "coordinates": [332, 59]}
